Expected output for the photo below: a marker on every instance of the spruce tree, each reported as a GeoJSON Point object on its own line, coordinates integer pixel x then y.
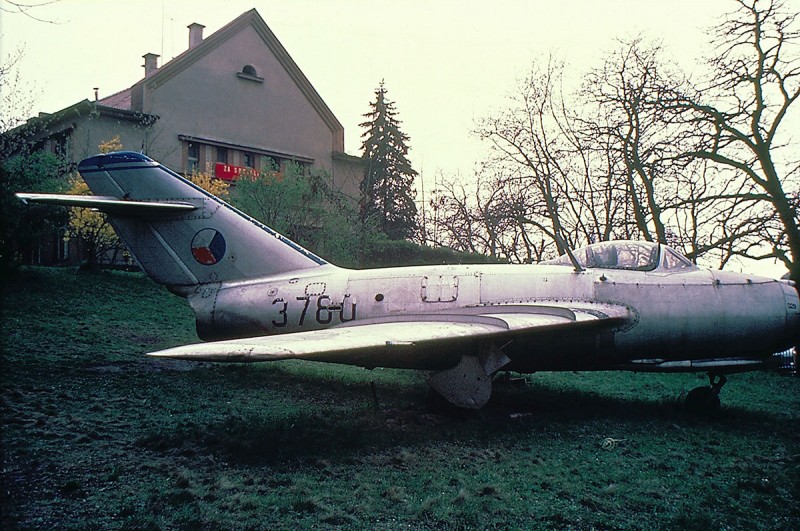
{"type": "Point", "coordinates": [387, 196]}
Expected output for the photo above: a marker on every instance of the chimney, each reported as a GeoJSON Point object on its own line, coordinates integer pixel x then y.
{"type": "Point", "coordinates": [195, 34]}
{"type": "Point", "coordinates": [150, 63]}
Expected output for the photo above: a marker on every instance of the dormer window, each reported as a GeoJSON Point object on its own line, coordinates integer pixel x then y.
{"type": "Point", "coordinates": [249, 73]}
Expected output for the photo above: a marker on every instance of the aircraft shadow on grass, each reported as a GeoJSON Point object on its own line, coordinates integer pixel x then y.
{"type": "Point", "coordinates": [404, 417]}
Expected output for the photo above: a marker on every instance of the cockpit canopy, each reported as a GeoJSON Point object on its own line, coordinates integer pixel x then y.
{"type": "Point", "coordinates": [627, 255]}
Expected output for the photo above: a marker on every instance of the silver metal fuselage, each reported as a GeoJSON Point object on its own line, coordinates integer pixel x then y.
{"type": "Point", "coordinates": [609, 305]}
{"type": "Point", "coordinates": [689, 315]}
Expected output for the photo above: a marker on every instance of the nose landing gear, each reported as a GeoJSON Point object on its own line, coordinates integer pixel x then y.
{"type": "Point", "coordinates": [705, 400]}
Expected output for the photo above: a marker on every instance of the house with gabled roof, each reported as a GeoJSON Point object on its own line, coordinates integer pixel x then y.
{"type": "Point", "coordinates": [231, 102]}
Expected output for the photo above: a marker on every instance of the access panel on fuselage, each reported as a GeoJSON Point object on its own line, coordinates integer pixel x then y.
{"type": "Point", "coordinates": [397, 292]}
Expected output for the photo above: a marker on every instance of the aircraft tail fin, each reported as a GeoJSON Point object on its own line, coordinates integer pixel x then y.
{"type": "Point", "coordinates": [180, 234]}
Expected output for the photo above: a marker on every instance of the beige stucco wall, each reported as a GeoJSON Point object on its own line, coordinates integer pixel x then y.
{"type": "Point", "coordinates": [209, 100]}
{"type": "Point", "coordinates": [348, 172]}
{"type": "Point", "coordinates": [90, 131]}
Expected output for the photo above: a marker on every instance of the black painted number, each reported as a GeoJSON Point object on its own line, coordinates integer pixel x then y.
{"type": "Point", "coordinates": [282, 312]}
{"type": "Point", "coordinates": [305, 308]}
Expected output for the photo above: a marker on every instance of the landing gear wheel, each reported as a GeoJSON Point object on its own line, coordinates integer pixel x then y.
{"type": "Point", "coordinates": [705, 400]}
{"type": "Point", "coordinates": [439, 405]}
{"type": "Point", "coordinates": [702, 401]}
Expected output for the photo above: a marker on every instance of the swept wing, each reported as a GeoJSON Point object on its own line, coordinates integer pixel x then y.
{"type": "Point", "coordinates": [430, 340]}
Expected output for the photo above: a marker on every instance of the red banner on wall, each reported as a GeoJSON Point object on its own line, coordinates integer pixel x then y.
{"type": "Point", "coordinates": [229, 172]}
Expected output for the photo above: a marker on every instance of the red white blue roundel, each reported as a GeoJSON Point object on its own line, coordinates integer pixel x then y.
{"type": "Point", "coordinates": [208, 246]}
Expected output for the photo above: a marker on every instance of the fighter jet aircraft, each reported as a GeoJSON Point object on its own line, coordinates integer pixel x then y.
{"type": "Point", "coordinates": [258, 296]}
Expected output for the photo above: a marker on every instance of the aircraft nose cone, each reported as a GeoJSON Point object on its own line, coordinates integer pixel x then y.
{"type": "Point", "coordinates": [790, 295]}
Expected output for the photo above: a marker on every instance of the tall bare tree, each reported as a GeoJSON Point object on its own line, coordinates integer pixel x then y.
{"type": "Point", "coordinates": [675, 198]}
{"type": "Point", "coordinates": [539, 139]}
{"type": "Point", "coordinates": [626, 93]}
{"type": "Point", "coordinates": [744, 108]}
{"type": "Point", "coordinates": [642, 151]}
{"type": "Point", "coordinates": [490, 214]}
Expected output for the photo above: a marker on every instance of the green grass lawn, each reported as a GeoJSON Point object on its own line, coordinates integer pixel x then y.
{"type": "Point", "coordinates": [96, 435]}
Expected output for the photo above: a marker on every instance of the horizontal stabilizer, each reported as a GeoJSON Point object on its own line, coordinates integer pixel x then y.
{"type": "Point", "coordinates": [110, 205]}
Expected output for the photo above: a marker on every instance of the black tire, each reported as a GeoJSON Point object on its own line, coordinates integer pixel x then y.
{"type": "Point", "coordinates": [439, 405]}
{"type": "Point", "coordinates": [702, 401]}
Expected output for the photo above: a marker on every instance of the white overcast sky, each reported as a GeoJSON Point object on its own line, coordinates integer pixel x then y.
{"type": "Point", "coordinates": [445, 62]}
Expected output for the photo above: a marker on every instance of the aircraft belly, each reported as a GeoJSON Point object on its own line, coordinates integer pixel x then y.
{"type": "Point", "coordinates": [559, 351]}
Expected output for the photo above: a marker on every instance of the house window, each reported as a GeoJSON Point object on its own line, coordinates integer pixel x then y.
{"type": "Point", "coordinates": [249, 73]}
{"type": "Point", "coordinates": [58, 144]}
{"type": "Point", "coordinates": [193, 158]}
{"type": "Point", "coordinates": [222, 155]}
{"type": "Point", "coordinates": [249, 159]}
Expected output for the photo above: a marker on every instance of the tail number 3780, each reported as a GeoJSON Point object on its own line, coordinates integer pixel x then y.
{"type": "Point", "coordinates": [319, 308]}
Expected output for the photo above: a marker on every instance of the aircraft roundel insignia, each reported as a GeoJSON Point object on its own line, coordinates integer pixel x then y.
{"type": "Point", "coordinates": [208, 246]}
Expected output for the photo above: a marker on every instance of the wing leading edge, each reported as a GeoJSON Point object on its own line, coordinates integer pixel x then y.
{"type": "Point", "coordinates": [427, 341]}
